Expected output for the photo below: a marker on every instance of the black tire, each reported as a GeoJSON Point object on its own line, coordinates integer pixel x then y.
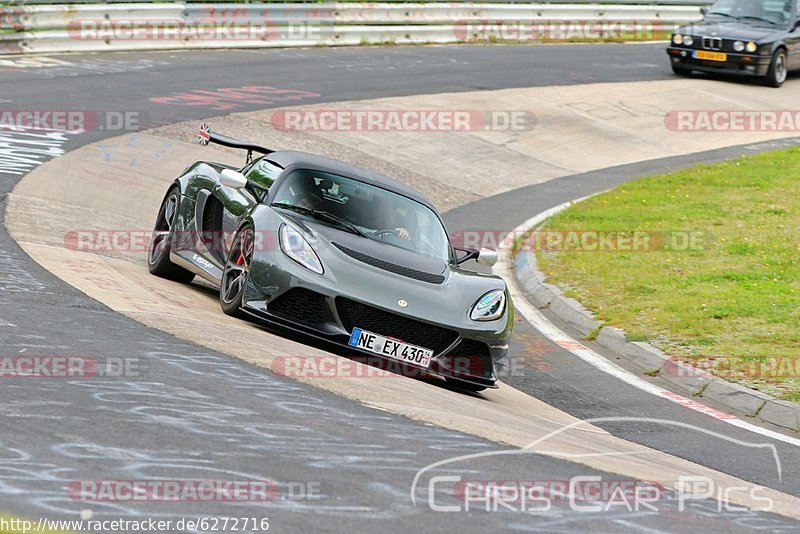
{"type": "Point", "coordinates": [680, 71]}
{"type": "Point", "coordinates": [158, 262]}
{"type": "Point", "coordinates": [237, 272]}
{"type": "Point", "coordinates": [776, 74]}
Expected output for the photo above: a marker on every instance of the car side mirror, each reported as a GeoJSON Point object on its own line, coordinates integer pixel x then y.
{"type": "Point", "coordinates": [469, 254]}
{"type": "Point", "coordinates": [231, 178]}
{"type": "Point", "coordinates": [487, 257]}
{"type": "Point", "coordinates": [484, 256]}
{"type": "Point", "coordinates": [703, 11]}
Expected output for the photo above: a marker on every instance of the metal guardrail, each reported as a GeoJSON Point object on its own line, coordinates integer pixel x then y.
{"type": "Point", "coordinates": [155, 26]}
{"type": "Point", "coordinates": [9, 3]}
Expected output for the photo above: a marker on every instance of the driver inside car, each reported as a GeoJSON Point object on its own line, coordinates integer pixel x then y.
{"type": "Point", "coordinates": [387, 219]}
{"type": "Point", "coordinates": [304, 194]}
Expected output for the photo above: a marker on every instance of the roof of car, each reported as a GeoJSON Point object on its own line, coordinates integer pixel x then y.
{"type": "Point", "coordinates": [286, 158]}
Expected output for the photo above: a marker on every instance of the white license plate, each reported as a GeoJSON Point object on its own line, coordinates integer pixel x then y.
{"type": "Point", "coordinates": [390, 348]}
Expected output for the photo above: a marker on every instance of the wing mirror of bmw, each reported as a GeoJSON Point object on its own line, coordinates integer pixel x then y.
{"type": "Point", "coordinates": [231, 178]}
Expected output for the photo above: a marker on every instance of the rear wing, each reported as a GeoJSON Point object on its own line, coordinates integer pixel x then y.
{"type": "Point", "coordinates": [207, 136]}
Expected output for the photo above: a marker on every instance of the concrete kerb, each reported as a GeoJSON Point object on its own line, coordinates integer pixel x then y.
{"type": "Point", "coordinates": [651, 361]}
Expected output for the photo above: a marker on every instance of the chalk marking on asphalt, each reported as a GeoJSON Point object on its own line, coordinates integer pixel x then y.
{"type": "Point", "coordinates": [505, 270]}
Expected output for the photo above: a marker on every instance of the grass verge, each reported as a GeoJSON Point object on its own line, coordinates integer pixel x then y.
{"type": "Point", "coordinates": [715, 280]}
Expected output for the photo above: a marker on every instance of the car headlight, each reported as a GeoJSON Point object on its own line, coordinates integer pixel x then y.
{"type": "Point", "coordinates": [489, 307]}
{"type": "Point", "coordinates": [294, 245]}
{"type": "Point", "coordinates": [688, 40]}
{"type": "Point", "coordinates": [738, 46]}
{"type": "Point", "coordinates": [751, 47]}
{"type": "Point", "coordinates": [677, 38]}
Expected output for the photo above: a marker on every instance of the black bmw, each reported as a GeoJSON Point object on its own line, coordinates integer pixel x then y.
{"type": "Point", "coordinates": [748, 37]}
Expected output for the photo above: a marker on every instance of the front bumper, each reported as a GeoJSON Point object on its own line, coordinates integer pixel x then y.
{"type": "Point", "coordinates": [741, 64]}
{"type": "Point", "coordinates": [472, 356]}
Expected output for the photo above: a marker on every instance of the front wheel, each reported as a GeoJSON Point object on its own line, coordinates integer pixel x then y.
{"type": "Point", "coordinates": [778, 69]}
{"type": "Point", "coordinates": [158, 262]}
{"type": "Point", "coordinates": [237, 272]}
{"type": "Point", "coordinates": [680, 71]}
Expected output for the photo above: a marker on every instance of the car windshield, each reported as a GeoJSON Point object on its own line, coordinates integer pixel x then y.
{"type": "Point", "coordinates": [772, 11]}
{"type": "Point", "coordinates": [369, 211]}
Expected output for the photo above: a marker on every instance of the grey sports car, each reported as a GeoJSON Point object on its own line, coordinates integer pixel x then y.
{"type": "Point", "coordinates": [336, 252]}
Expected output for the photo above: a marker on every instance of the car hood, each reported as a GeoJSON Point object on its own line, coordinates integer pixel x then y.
{"type": "Point", "coordinates": [737, 30]}
{"type": "Point", "coordinates": [371, 251]}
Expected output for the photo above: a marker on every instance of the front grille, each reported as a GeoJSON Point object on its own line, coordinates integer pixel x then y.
{"type": "Point", "coordinates": [471, 358]}
{"type": "Point", "coordinates": [299, 304]}
{"type": "Point", "coordinates": [391, 267]}
{"type": "Point", "coordinates": [354, 314]}
{"type": "Point", "coordinates": [712, 43]}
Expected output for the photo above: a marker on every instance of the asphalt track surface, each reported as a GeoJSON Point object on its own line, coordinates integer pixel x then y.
{"type": "Point", "coordinates": [199, 414]}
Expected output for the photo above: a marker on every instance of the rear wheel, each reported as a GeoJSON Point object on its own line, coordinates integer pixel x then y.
{"type": "Point", "coordinates": [158, 261]}
{"type": "Point", "coordinates": [776, 74]}
{"type": "Point", "coordinates": [237, 272]}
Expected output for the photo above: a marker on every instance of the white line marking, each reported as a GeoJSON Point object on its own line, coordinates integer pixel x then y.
{"type": "Point", "coordinates": [505, 269]}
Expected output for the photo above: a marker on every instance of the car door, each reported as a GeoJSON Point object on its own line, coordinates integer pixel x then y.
{"type": "Point", "coordinates": [793, 40]}
{"type": "Point", "coordinates": [231, 206]}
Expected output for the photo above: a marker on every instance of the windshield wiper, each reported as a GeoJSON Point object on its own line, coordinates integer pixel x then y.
{"type": "Point", "coordinates": [721, 14]}
{"type": "Point", "coordinates": [324, 216]}
{"type": "Point", "coordinates": [751, 17]}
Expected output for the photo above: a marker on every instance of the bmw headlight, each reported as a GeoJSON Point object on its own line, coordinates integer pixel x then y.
{"type": "Point", "coordinates": [294, 245]}
{"type": "Point", "coordinates": [751, 47]}
{"type": "Point", "coordinates": [688, 40]}
{"type": "Point", "coordinates": [738, 46]}
{"type": "Point", "coordinates": [489, 307]}
{"type": "Point", "coordinates": [677, 39]}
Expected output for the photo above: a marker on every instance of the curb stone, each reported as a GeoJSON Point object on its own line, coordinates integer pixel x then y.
{"type": "Point", "coordinates": [649, 359]}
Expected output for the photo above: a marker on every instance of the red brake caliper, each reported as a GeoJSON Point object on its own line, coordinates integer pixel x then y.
{"type": "Point", "coordinates": [240, 260]}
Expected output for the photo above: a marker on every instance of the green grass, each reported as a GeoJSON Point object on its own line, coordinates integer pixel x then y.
{"type": "Point", "coordinates": [731, 302]}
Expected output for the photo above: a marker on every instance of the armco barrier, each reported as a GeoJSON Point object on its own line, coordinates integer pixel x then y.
{"type": "Point", "coordinates": [153, 26]}
{"type": "Point", "coordinates": [245, 2]}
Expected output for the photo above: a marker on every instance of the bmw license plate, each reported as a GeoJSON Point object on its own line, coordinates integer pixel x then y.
{"type": "Point", "coordinates": [391, 348]}
{"type": "Point", "coordinates": [711, 56]}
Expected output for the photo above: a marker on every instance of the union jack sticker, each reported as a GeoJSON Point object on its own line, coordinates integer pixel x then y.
{"type": "Point", "coordinates": [205, 134]}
